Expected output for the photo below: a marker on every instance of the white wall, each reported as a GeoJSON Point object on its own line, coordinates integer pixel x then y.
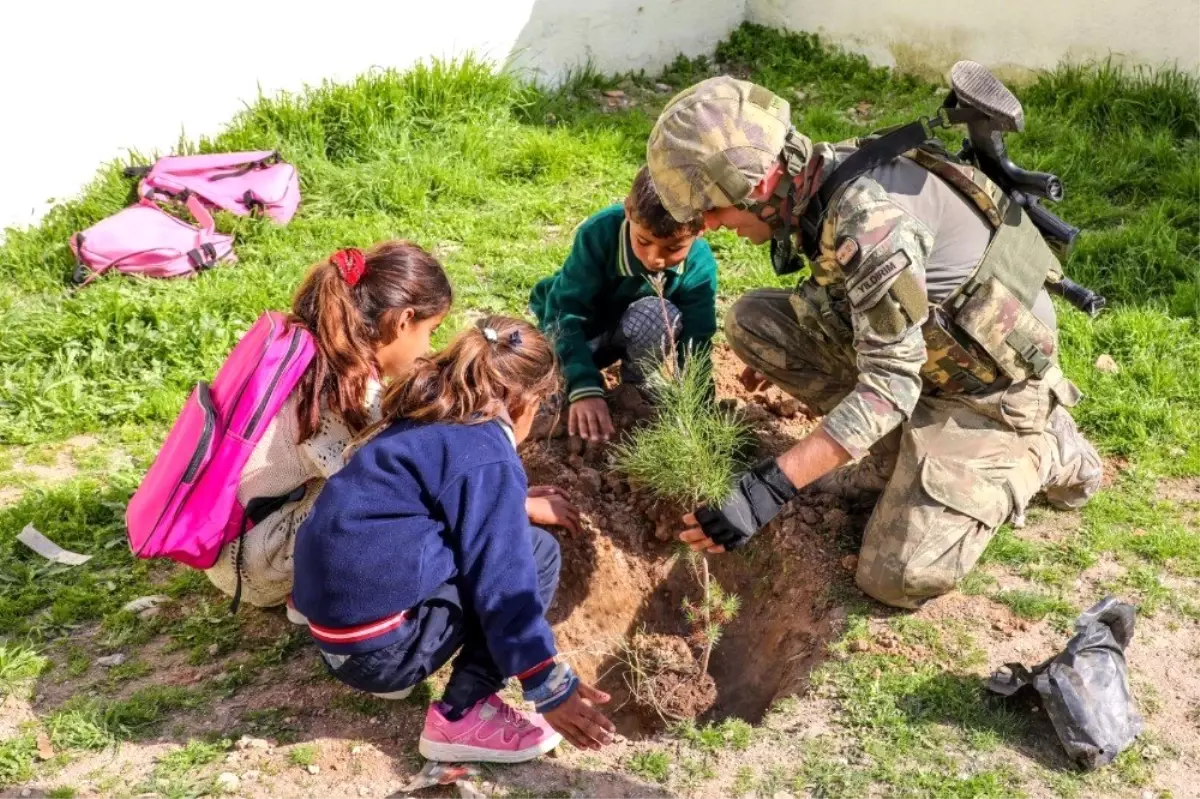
{"type": "Point", "coordinates": [81, 82]}
{"type": "Point", "coordinates": [1013, 35]}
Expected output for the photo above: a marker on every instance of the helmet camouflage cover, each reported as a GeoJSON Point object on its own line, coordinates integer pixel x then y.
{"type": "Point", "coordinates": [713, 143]}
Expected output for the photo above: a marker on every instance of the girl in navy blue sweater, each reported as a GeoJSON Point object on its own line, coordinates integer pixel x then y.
{"type": "Point", "coordinates": [421, 547]}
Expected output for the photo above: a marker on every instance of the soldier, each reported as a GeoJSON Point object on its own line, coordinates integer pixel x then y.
{"type": "Point", "coordinates": [924, 335]}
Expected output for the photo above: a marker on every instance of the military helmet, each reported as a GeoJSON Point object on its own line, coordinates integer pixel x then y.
{"type": "Point", "coordinates": [713, 143]}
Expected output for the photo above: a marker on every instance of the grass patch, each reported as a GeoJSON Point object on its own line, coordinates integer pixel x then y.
{"type": "Point", "coordinates": [712, 737]}
{"type": "Point", "coordinates": [302, 755]}
{"type": "Point", "coordinates": [19, 667]}
{"type": "Point", "coordinates": [1035, 605]}
{"type": "Point", "coordinates": [84, 723]}
{"type": "Point", "coordinates": [653, 765]}
{"type": "Point", "coordinates": [181, 774]}
{"type": "Point", "coordinates": [16, 758]}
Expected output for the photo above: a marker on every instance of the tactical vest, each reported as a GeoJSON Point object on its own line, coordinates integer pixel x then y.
{"type": "Point", "coordinates": [985, 330]}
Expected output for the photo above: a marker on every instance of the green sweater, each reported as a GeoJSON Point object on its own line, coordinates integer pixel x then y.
{"type": "Point", "coordinates": [599, 280]}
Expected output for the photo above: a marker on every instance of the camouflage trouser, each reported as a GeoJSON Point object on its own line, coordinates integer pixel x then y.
{"type": "Point", "coordinates": [965, 463]}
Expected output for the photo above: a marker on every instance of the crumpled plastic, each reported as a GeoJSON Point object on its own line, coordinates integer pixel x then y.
{"type": "Point", "coordinates": [1085, 687]}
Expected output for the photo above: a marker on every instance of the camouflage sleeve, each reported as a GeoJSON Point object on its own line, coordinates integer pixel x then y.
{"type": "Point", "coordinates": [882, 251]}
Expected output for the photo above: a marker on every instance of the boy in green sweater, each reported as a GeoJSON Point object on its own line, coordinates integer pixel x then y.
{"type": "Point", "coordinates": [601, 307]}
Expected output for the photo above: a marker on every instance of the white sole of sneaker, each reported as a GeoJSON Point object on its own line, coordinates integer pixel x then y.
{"type": "Point", "coordinates": [460, 753]}
{"type": "Point", "coordinates": [403, 693]}
{"type": "Point", "coordinates": [296, 617]}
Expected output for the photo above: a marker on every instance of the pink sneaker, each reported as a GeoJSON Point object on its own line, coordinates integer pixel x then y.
{"type": "Point", "coordinates": [490, 732]}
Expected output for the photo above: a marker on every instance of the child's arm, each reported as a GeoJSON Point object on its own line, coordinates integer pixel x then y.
{"type": "Point", "coordinates": [489, 531]}
{"type": "Point", "coordinates": [570, 303]}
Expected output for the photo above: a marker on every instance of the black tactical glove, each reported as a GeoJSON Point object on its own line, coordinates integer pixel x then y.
{"type": "Point", "coordinates": [756, 499]}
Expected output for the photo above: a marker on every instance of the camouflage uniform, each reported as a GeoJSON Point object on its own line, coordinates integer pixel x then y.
{"type": "Point", "coordinates": [850, 343]}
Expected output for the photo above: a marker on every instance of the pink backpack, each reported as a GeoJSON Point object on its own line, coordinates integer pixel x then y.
{"type": "Point", "coordinates": [237, 182]}
{"type": "Point", "coordinates": [145, 240]}
{"type": "Point", "coordinates": [187, 508]}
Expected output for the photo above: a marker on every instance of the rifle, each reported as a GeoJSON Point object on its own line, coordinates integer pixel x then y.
{"type": "Point", "coordinates": [999, 112]}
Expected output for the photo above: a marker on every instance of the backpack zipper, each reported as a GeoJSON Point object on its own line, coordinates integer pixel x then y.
{"type": "Point", "coordinates": [202, 397]}
{"type": "Point", "coordinates": [262, 406]}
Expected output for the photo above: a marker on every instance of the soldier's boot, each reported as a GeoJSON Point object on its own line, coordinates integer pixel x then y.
{"type": "Point", "coordinates": [1069, 466]}
{"type": "Point", "coordinates": [859, 482]}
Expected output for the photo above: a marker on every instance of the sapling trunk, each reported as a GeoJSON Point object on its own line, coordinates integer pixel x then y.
{"type": "Point", "coordinates": [708, 640]}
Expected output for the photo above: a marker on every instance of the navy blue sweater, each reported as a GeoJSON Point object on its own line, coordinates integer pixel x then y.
{"type": "Point", "coordinates": [416, 507]}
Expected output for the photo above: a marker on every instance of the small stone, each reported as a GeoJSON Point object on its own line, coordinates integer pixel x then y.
{"type": "Point", "coordinates": [850, 563]}
{"type": "Point", "coordinates": [789, 408]}
{"type": "Point", "coordinates": [228, 782]}
{"type": "Point", "coordinates": [809, 515]}
{"type": "Point", "coordinates": [373, 720]}
{"type": "Point", "coordinates": [356, 750]}
{"type": "Point", "coordinates": [591, 479]}
{"type": "Point", "coordinates": [313, 769]}
{"type": "Point", "coordinates": [213, 649]}
{"type": "Point", "coordinates": [246, 742]}
{"type": "Point", "coordinates": [800, 95]}
{"type": "Point", "coordinates": [663, 87]}
{"type": "Point", "coordinates": [614, 93]}
{"type": "Point", "coordinates": [109, 661]}
{"type": "Point", "coordinates": [363, 790]}
{"type": "Point", "coordinates": [26, 792]}
{"type": "Point", "coordinates": [1147, 794]}
{"type": "Point", "coordinates": [1106, 364]}
{"type": "Point", "coordinates": [144, 603]}
{"type": "Point", "coordinates": [859, 645]}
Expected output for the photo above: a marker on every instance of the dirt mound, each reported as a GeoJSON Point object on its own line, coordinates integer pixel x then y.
{"type": "Point", "coordinates": [626, 580]}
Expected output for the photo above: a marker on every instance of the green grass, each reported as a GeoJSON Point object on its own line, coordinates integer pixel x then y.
{"type": "Point", "coordinates": [494, 176]}
{"type": "Point", "coordinates": [19, 667]}
{"type": "Point", "coordinates": [181, 774]}
{"type": "Point", "coordinates": [653, 765]}
{"type": "Point", "coordinates": [302, 755]}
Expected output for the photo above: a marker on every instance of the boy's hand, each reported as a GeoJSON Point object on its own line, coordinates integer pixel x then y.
{"type": "Point", "coordinates": [548, 505]}
{"type": "Point", "coordinates": [589, 419]}
{"type": "Point", "coordinates": [695, 537]}
{"type": "Point", "coordinates": [579, 722]}
{"type": "Point", "coordinates": [753, 380]}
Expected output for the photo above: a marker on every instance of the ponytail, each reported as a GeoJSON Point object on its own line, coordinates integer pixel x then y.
{"type": "Point", "coordinates": [351, 305]}
{"type": "Point", "coordinates": [484, 372]}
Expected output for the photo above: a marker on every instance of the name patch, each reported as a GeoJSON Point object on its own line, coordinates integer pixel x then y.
{"type": "Point", "coordinates": [872, 285]}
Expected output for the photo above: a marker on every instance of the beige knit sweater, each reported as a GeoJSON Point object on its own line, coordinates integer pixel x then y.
{"type": "Point", "coordinates": [277, 467]}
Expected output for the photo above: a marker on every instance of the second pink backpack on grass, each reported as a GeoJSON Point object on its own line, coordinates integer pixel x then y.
{"type": "Point", "coordinates": [143, 239]}
{"type": "Point", "coordinates": [238, 182]}
{"type": "Point", "coordinates": [186, 508]}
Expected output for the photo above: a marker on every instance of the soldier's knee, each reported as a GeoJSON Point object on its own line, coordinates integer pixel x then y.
{"type": "Point", "coordinates": [735, 329]}
{"type": "Point", "coordinates": [887, 587]}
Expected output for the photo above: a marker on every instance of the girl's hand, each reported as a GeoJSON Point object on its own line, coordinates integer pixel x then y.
{"type": "Point", "coordinates": [548, 505]}
{"type": "Point", "coordinates": [579, 722]}
{"type": "Point", "coordinates": [590, 420]}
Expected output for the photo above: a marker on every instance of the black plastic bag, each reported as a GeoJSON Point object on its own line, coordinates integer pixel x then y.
{"type": "Point", "coordinates": [1085, 688]}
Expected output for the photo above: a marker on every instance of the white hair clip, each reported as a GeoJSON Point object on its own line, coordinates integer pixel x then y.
{"type": "Point", "coordinates": [490, 335]}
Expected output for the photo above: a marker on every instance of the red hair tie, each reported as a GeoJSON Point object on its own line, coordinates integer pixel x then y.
{"type": "Point", "coordinates": [351, 263]}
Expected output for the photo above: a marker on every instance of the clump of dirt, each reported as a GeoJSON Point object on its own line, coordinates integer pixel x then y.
{"type": "Point", "coordinates": [665, 680]}
{"type": "Point", "coordinates": [625, 579]}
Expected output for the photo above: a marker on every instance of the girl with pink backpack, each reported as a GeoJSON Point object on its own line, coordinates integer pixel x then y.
{"type": "Point", "coordinates": [370, 316]}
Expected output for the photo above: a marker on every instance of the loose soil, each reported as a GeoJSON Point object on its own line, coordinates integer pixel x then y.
{"type": "Point", "coordinates": [627, 575]}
